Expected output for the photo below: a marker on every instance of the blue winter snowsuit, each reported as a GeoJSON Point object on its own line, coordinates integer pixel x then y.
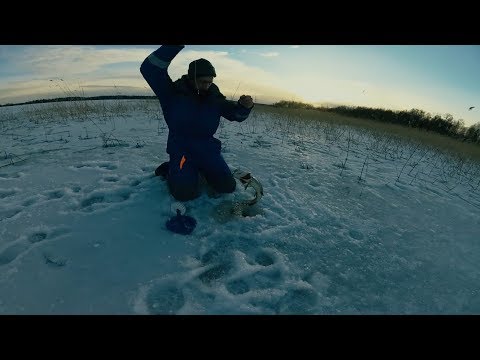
{"type": "Point", "coordinates": [192, 121]}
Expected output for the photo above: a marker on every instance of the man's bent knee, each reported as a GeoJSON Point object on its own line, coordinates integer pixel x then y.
{"type": "Point", "coordinates": [224, 185]}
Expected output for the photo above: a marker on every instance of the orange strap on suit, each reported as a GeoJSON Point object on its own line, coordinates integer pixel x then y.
{"type": "Point", "coordinates": [182, 161]}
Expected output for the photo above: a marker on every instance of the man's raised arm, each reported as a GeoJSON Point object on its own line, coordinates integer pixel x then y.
{"type": "Point", "coordinates": [154, 69]}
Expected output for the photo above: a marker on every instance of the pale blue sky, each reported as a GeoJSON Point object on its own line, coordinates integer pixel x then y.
{"type": "Point", "coordinates": [439, 79]}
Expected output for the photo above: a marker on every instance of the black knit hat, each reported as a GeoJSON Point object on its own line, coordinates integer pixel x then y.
{"type": "Point", "coordinates": [201, 67]}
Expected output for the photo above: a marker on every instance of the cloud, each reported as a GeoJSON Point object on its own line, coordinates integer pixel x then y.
{"type": "Point", "coordinates": [65, 61]}
{"type": "Point", "coordinates": [270, 54]}
{"type": "Point", "coordinates": [86, 70]}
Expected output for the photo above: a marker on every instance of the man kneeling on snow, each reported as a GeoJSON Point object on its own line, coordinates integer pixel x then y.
{"type": "Point", "coordinates": [192, 107]}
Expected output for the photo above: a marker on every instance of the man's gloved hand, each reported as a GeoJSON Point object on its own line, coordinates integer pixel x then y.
{"type": "Point", "coordinates": [246, 101]}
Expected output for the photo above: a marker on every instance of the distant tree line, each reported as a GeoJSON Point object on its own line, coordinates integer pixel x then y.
{"type": "Point", "coordinates": [83, 98]}
{"type": "Point", "coordinates": [414, 118]}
